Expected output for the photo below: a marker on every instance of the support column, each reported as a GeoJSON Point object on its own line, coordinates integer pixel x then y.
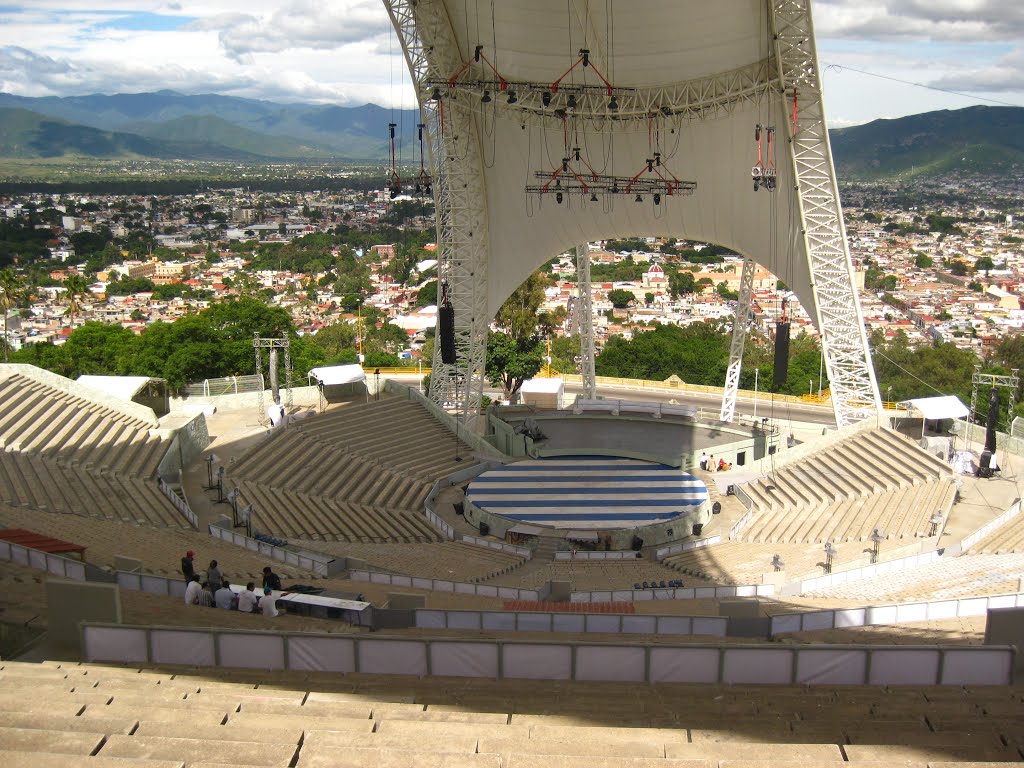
{"type": "Point", "coordinates": [585, 323]}
{"type": "Point", "coordinates": [844, 342]}
{"type": "Point", "coordinates": [460, 199]}
{"type": "Point", "coordinates": [740, 327]}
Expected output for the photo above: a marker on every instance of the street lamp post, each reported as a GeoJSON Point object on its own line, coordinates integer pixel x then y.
{"type": "Point", "coordinates": [876, 541]}
{"type": "Point", "coordinates": [830, 553]}
{"type": "Point", "coordinates": [376, 383]}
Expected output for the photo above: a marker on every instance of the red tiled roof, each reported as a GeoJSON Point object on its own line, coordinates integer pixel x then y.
{"type": "Point", "coordinates": [39, 541]}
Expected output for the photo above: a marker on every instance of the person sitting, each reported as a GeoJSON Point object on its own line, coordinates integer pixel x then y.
{"type": "Point", "coordinates": [225, 598]}
{"type": "Point", "coordinates": [193, 590]}
{"type": "Point", "coordinates": [271, 579]}
{"type": "Point", "coordinates": [268, 603]}
{"type": "Point", "coordinates": [206, 596]}
{"type": "Point", "coordinates": [722, 466]}
{"type": "Point", "coordinates": [247, 599]}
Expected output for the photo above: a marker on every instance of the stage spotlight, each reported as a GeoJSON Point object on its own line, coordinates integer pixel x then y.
{"type": "Point", "coordinates": [558, 197]}
{"type": "Point", "coordinates": [613, 104]}
{"type": "Point", "coordinates": [545, 99]}
{"type": "Point", "coordinates": [657, 198]}
{"type": "Point", "coordinates": [486, 98]}
{"type": "Point", "coordinates": [572, 101]}
{"type": "Point", "coordinates": [639, 199]}
{"type": "Point", "coordinates": [512, 98]}
{"type": "Point", "coordinates": [436, 95]}
{"type": "Point", "coordinates": [593, 197]}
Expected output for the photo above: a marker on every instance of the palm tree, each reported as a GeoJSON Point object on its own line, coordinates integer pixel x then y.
{"type": "Point", "coordinates": [75, 289]}
{"type": "Point", "coordinates": [10, 295]}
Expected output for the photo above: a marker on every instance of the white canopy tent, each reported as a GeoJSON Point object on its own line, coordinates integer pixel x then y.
{"type": "Point", "coordinates": [338, 374]}
{"type": "Point", "coordinates": [934, 408]}
{"type": "Point", "coordinates": [522, 96]}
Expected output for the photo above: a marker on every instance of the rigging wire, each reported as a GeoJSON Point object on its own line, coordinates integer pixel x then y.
{"type": "Point", "coordinates": [838, 68]}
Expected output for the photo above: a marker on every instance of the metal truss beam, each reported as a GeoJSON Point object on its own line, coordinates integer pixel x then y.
{"type": "Point", "coordinates": [706, 97]}
{"type": "Point", "coordinates": [740, 327]}
{"type": "Point", "coordinates": [844, 341]}
{"type": "Point", "coordinates": [585, 323]}
{"type": "Point", "coordinates": [428, 42]}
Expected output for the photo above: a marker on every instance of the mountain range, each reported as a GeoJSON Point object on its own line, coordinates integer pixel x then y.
{"type": "Point", "coordinates": [167, 124]}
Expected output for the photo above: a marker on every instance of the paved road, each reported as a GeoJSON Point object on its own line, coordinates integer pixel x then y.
{"type": "Point", "coordinates": [712, 404]}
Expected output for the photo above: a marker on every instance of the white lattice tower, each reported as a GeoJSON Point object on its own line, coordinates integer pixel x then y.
{"type": "Point", "coordinates": [425, 33]}
{"type": "Point", "coordinates": [843, 339]}
{"type": "Point", "coordinates": [740, 327]}
{"type": "Point", "coordinates": [585, 322]}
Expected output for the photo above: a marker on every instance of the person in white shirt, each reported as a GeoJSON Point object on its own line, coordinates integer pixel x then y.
{"type": "Point", "coordinates": [247, 599]}
{"type": "Point", "coordinates": [268, 603]}
{"type": "Point", "coordinates": [192, 591]}
{"type": "Point", "coordinates": [225, 598]}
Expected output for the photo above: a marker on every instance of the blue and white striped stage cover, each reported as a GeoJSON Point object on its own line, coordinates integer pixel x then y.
{"type": "Point", "coordinates": [587, 492]}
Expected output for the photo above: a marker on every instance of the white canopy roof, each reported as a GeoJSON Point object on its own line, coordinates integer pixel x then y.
{"type": "Point", "coordinates": [338, 374]}
{"type": "Point", "coordinates": [123, 387]}
{"type": "Point", "coordinates": [535, 386]}
{"type": "Point", "coordinates": [944, 407]}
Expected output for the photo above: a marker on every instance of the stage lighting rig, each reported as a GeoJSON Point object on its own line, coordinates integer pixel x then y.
{"type": "Point", "coordinates": [424, 182]}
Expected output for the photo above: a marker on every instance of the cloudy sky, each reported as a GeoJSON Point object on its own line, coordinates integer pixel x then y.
{"type": "Point", "coordinates": [339, 51]}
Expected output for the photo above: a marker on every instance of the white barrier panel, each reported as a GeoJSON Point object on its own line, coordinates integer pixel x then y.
{"type": "Point", "coordinates": [537, 662]}
{"type": "Point", "coordinates": [610, 663]}
{"type": "Point", "coordinates": [979, 667]}
{"type": "Point", "coordinates": [817, 666]}
{"type": "Point", "coordinates": [239, 650]}
{"type": "Point", "coordinates": [805, 665]}
{"type": "Point", "coordinates": [750, 666]}
{"type": "Point", "coordinates": [687, 546]}
{"type": "Point", "coordinates": [810, 622]}
{"type": "Point", "coordinates": [640, 625]}
{"type": "Point", "coordinates": [442, 585]}
{"type": "Point", "coordinates": [431, 619]}
{"type": "Point", "coordinates": [533, 622]}
{"type": "Point", "coordinates": [118, 644]}
{"type": "Point", "coordinates": [523, 552]}
{"type": "Point", "coordinates": [710, 625]}
{"type": "Point", "coordinates": [850, 617]}
{"type": "Point", "coordinates": [674, 593]}
{"type": "Point", "coordinates": [684, 665]}
{"type": "Point", "coordinates": [392, 657]}
{"type": "Point", "coordinates": [598, 622]}
{"type": "Point", "coordinates": [321, 654]}
{"type": "Point", "coordinates": [865, 572]}
{"type": "Point", "coordinates": [911, 666]}
{"type": "Point", "coordinates": [309, 561]}
{"type": "Point", "coordinates": [129, 581]}
{"type": "Point", "coordinates": [495, 620]}
{"type": "Point", "coordinates": [463, 620]}
{"type": "Point", "coordinates": [990, 526]}
{"type": "Point", "coordinates": [183, 647]}
{"type": "Point", "coordinates": [568, 622]}
{"type": "Point", "coordinates": [453, 659]}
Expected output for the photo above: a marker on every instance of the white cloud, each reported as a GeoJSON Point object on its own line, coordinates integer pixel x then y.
{"type": "Point", "coordinates": [957, 21]}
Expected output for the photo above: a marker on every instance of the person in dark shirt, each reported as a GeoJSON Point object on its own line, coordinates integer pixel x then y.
{"type": "Point", "coordinates": [271, 579]}
{"type": "Point", "coordinates": [187, 569]}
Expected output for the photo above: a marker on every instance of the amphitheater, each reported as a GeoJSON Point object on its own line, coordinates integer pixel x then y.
{"type": "Point", "coordinates": [699, 652]}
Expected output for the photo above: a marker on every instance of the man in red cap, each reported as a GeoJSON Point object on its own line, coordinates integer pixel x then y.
{"type": "Point", "coordinates": [186, 566]}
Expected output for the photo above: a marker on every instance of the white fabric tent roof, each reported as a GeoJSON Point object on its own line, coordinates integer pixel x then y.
{"type": "Point", "coordinates": [944, 407]}
{"type": "Point", "coordinates": [338, 374]}
{"type": "Point", "coordinates": [123, 387]}
{"type": "Point", "coordinates": [534, 386]}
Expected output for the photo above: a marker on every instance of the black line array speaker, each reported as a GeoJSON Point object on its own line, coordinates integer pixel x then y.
{"type": "Point", "coordinates": [446, 333]}
{"type": "Point", "coordinates": [781, 371]}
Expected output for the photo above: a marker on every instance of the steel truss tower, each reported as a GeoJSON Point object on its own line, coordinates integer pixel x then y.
{"type": "Point", "coordinates": [843, 339]}
{"type": "Point", "coordinates": [584, 322]}
{"type": "Point", "coordinates": [740, 327]}
{"type": "Point", "coordinates": [460, 202]}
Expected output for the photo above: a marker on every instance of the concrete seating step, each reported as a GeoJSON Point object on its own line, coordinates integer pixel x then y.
{"type": "Point", "coordinates": [550, 746]}
{"type": "Point", "coordinates": [593, 761]}
{"type": "Point", "coordinates": [306, 722]}
{"type": "Point", "coordinates": [353, 710]}
{"type": "Point", "coordinates": [341, 741]}
{"type": "Point", "coordinates": [360, 757]}
{"type": "Point", "coordinates": [749, 750]}
{"type": "Point", "coordinates": [15, 759]}
{"type": "Point", "coordinates": [191, 750]}
{"type": "Point", "coordinates": [899, 753]}
{"type": "Point", "coordinates": [270, 733]}
{"type": "Point", "coordinates": [42, 740]}
{"type": "Point", "coordinates": [48, 721]}
{"type": "Point", "coordinates": [197, 715]}
{"type": "Point", "coordinates": [65, 706]}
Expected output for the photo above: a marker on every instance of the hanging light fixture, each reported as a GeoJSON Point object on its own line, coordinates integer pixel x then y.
{"type": "Point", "coordinates": [639, 199]}
{"type": "Point", "coordinates": [436, 95]}
{"type": "Point", "coordinates": [512, 98]}
{"type": "Point", "coordinates": [593, 197]}
{"type": "Point", "coordinates": [657, 198]}
{"type": "Point", "coordinates": [613, 104]}
{"type": "Point", "coordinates": [545, 98]}
{"type": "Point", "coordinates": [486, 98]}
{"type": "Point", "coordinates": [558, 197]}
{"type": "Point", "coordinates": [571, 103]}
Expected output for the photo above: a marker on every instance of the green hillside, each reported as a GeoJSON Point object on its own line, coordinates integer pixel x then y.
{"type": "Point", "coordinates": [980, 140]}
{"type": "Point", "coordinates": [209, 129]}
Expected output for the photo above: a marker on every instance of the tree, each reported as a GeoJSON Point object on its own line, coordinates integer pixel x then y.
{"type": "Point", "coordinates": [10, 294]}
{"type": "Point", "coordinates": [958, 268]}
{"type": "Point", "coordinates": [75, 289]}
{"type": "Point", "coordinates": [511, 362]}
{"type": "Point", "coordinates": [427, 294]}
{"type": "Point", "coordinates": [648, 298]}
{"type": "Point", "coordinates": [620, 298]}
{"type": "Point", "coordinates": [984, 264]}
{"type": "Point", "coordinates": [922, 261]}
{"type": "Point", "coordinates": [681, 283]}
{"type": "Point", "coordinates": [518, 314]}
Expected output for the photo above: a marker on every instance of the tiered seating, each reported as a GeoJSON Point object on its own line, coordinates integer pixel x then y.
{"type": "Point", "coordinates": [159, 549]}
{"type": "Point", "coordinates": [43, 420]}
{"type": "Point", "coordinates": [276, 719]}
{"type": "Point", "coordinates": [40, 483]}
{"type": "Point", "coordinates": [358, 473]}
{"type": "Point", "coordinates": [301, 515]}
{"type": "Point", "coordinates": [586, 575]}
{"type": "Point", "coordinates": [874, 479]}
{"type": "Point", "coordinates": [965, 576]}
{"type": "Point", "coordinates": [1009, 538]}
{"type": "Point", "coordinates": [447, 560]}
